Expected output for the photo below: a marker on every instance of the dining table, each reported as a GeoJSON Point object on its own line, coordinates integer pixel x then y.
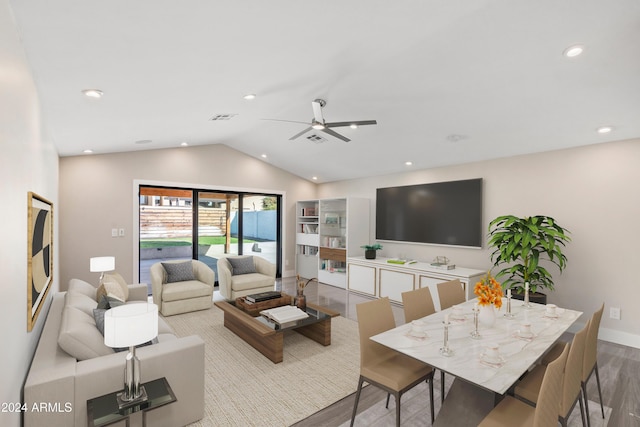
{"type": "Point", "coordinates": [482, 374]}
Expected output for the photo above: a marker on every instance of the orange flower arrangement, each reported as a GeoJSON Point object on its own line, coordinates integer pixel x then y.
{"type": "Point", "coordinates": [488, 291]}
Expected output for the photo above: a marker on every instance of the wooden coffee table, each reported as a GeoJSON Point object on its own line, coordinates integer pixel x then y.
{"type": "Point", "coordinates": [268, 337]}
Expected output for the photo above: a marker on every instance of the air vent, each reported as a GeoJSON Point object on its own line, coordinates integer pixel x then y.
{"type": "Point", "coordinates": [219, 117]}
{"type": "Point", "coordinates": [316, 138]}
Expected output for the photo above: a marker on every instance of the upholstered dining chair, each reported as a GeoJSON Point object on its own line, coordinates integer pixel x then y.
{"type": "Point", "coordinates": [450, 293]}
{"type": "Point", "coordinates": [381, 366]}
{"type": "Point", "coordinates": [528, 389]}
{"type": "Point", "coordinates": [590, 364]}
{"type": "Point", "coordinates": [514, 412]}
{"type": "Point", "coordinates": [418, 304]}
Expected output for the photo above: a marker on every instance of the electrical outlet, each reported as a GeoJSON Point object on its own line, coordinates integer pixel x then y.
{"type": "Point", "coordinates": [114, 232]}
{"type": "Point", "coordinates": [121, 232]}
{"type": "Point", "coordinates": [614, 313]}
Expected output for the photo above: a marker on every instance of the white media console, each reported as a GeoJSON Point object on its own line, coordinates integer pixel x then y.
{"type": "Point", "coordinates": [379, 278]}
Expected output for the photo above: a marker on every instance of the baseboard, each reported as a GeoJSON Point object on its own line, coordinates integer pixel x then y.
{"type": "Point", "coordinates": [611, 335]}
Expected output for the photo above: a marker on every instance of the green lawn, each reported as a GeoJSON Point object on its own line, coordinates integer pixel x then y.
{"type": "Point", "coordinates": [186, 241]}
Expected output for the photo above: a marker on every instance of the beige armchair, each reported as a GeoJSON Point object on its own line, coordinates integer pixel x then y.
{"type": "Point", "coordinates": [182, 286]}
{"type": "Point", "coordinates": [245, 275]}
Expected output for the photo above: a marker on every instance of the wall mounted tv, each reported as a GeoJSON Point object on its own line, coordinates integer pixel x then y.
{"type": "Point", "coordinates": [442, 213]}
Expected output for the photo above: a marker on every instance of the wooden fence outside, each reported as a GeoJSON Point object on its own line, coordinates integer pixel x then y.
{"type": "Point", "coordinates": [177, 221]}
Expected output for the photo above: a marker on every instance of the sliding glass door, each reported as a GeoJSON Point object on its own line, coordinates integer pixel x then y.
{"type": "Point", "coordinates": [207, 225]}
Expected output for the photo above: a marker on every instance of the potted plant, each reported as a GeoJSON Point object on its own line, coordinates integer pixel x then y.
{"type": "Point", "coordinates": [522, 243]}
{"type": "Point", "coordinates": [370, 250]}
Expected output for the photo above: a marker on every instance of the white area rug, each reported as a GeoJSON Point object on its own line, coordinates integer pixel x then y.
{"type": "Point", "coordinates": [244, 388]}
{"type": "Point", "coordinates": [415, 409]}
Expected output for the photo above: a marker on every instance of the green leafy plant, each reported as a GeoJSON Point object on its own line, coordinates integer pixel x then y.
{"type": "Point", "coordinates": [374, 247]}
{"type": "Point", "coordinates": [523, 243]}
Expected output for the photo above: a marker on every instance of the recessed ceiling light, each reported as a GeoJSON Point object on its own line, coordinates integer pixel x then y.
{"type": "Point", "coordinates": [143, 141]}
{"type": "Point", "coordinates": [315, 178]}
{"type": "Point", "coordinates": [354, 126]}
{"type": "Point", "coordinates": [573, 51]}
{"type": "Point", "coordinates": [250, 96]}
{"type": "Point", "coordinates": [264, 156]}
{"type": "Point", "coordinates": [93, 93]}
{"type": "Point", "coordinates": [408, 163]}
{"type": "Point", "coordinates": [184, 144]}
{"type": "Point", "coordinates": [605, 129]}
{"type": "Point", "coordinates": [88, 151]}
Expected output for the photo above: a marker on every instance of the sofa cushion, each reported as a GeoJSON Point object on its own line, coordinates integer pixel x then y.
{"type": "Point", "coordinates": [80, 286]}
{"type": "Point", "coordinates": [178, 271]}
{"type": "Point", "coordinates": [185, 290]}
{"type": "Point", "coordinates": [242, 265]}
{"type": "Point", "coordinates": [251, 281]}
{"type": "Point", "coordinates": [79, 336]}
{"type": "Point", "coordinates": [116, 277]}
{"type": "Point", "coordinates": [110, 287]}
{"type": "Point", "coordinates": [80, 301]}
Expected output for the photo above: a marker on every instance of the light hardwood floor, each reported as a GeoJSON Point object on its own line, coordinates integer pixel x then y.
{"type": "Point", "coordinates": [619, 367]}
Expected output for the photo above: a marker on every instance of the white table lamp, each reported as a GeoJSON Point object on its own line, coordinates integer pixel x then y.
{"type": "Point", "coordinates": [101, 264]}
{"type": "Point", "coordinates": [127, 326]}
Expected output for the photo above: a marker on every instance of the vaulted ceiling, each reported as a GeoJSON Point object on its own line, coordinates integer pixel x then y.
{"type": "Point", "coordinates": [448, 81]}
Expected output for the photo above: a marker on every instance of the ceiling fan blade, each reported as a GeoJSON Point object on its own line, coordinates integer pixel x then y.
{"type": "Point", "coordinates": [288, 121]}
{"type": "Point", "coordinates": [317, 111]}
{"type": "Point", "coordinates": [336, 134]}
{"type": "Point", "coordinates": [300, 133]}
{"type": "Point", "coordinates": [357, 123]}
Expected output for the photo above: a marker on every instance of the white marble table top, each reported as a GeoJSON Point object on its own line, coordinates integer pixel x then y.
{"type": "Point", "coordinates": [466, 363]}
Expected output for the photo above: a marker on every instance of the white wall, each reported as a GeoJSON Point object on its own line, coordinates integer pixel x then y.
{"type": "Point", "coordinates": [589, 190]}
{"type": "Point", "coordinates": [96, 195]}
{"type": "Point", "coordinates": [29, 162]}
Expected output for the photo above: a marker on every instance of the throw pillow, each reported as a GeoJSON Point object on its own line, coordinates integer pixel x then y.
{"type": "Point", "coordinates": [243, 265]}
{"type": "Point", "coordinates": [178, 271]}
{"type": "Point", "coordinates": [98, 316]}
{"type": "Point", "coordinates": [109, 301]}
{"type": "Point", "coordinates": [117, 277]}
{"type": "Point", "coordinates": [110, 288]}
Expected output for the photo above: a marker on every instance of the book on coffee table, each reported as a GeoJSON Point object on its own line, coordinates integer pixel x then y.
{"type": "Point", "coordinates": [284, 314]}
{"type": "Point", "coordinates": [262, 296]}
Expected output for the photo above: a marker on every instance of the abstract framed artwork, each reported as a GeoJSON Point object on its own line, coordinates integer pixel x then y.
{"type": "Point", "coordinates": [39, 255]}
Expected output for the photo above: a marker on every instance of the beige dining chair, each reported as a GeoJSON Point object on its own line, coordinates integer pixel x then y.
{"type": "Point", "coordinates": [528, 389]}
{"type": "Point", "coordinates": [450, 293]}
{"type": "Point", "coordinates": [590, 364]}
{"type": "Point", "coordinates": [514, 412]}
{"type": "Point", "coordinates": [382, 366]}
{"type": "Point", "coordinates": [418, 304]}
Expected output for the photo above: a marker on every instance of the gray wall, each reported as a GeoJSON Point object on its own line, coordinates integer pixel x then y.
{"type": "Point", "coordinates": [29, 162]}
{"type": "Point", "coordinates": [591, 190]}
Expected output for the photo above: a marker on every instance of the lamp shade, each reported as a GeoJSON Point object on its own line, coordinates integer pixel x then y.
{"type": "Point", "coordinates": [102, 263]}
{"type": "Point", "coordinates": [130, 324]}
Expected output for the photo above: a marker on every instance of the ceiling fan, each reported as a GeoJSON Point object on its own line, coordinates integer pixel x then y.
{"type": "Point", "coordinates": [318, 122]}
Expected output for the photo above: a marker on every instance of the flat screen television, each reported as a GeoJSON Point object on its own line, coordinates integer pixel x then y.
{"type": "Point", "coordinates": [441, 213]}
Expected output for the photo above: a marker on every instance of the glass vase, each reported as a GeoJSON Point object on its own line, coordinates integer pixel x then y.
{"type": "Point", "coordinates": [300, 300]}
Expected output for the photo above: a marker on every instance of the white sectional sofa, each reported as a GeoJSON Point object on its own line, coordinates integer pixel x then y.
{"type": "Point", "coordinates": [66, 381]}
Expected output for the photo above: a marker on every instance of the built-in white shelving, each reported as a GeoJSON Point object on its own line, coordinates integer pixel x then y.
{"type": "Point", "coordinates": [329, 231]}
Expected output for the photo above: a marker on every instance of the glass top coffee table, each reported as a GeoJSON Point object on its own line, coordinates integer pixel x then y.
{"type": "Point", "coordinates": [267, 336]}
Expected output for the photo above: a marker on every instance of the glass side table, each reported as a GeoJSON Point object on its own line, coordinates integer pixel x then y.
{"type": "Point", "coordinates": [103, 410]}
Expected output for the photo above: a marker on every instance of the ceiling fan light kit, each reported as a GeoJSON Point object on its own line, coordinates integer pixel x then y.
{"type": "Point", "coordinates": [319, 123]}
